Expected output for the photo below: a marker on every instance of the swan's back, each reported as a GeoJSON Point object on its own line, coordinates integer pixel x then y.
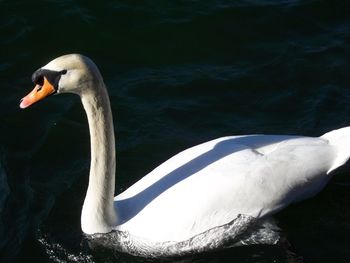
{"type": "Point", "coordinates": [211, 184]}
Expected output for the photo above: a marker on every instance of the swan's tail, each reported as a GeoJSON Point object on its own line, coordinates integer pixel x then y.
{"type": "Point", "coordinates": [340, 139]}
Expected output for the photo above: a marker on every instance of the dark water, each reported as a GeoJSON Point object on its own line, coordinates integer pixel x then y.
{"type": "Point", "coordinates": [179, 73]}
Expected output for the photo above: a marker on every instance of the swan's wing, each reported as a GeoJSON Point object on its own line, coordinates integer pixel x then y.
{"type": "Point", "coordinates": [210, 184]}
{"type": "Point", "coordinates": [205, 153]}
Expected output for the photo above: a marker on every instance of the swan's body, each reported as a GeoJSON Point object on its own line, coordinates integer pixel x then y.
{"type": "Point", "coordinates": [201, 188]}
{"type": "Point", "coordinates": [211, 184]}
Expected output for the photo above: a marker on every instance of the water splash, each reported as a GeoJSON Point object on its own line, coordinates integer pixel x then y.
{"type": "Point", "coordinates": [59, 254]}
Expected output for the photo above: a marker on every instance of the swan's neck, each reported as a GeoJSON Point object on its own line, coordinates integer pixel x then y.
{"type": "Point", "coordinates": [98, 214]}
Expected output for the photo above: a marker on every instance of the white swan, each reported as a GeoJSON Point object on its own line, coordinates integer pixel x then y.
{"type": "Point", "coordinates": [201, 188]}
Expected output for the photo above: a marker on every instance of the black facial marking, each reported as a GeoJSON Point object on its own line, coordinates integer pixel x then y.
{"type": "Point", "coordinates": [52, 76]}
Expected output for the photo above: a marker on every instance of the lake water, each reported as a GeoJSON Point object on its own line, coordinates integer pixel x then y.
{"type": "Point", "coordinates": [178, 73]}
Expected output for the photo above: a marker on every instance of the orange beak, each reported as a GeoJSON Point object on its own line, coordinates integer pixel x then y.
{"type": "Point", "coordinates": [38, 93]}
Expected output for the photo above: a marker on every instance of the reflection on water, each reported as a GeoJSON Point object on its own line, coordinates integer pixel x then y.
{"type": "Point", "coordinates": [244, 230]}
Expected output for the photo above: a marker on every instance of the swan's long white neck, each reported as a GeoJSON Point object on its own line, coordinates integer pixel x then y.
{"type": "Point", "coordinates": [98, 214]}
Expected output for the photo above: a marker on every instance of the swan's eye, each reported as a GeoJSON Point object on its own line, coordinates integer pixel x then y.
{"type": "Point", "coordinates": [39, 80]}
{"type": "Point", "coordinates": [63, 72]}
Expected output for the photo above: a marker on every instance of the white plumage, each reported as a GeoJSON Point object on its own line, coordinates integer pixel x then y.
{"type": "Point", "coordinates": [211, 184]}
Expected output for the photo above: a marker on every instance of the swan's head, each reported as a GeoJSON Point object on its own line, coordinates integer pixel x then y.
{"type": "Point", "coordinates": [72, 73]}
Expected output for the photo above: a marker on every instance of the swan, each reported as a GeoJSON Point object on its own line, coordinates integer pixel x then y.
{"type": "Point", "coordinates": [198, 189]}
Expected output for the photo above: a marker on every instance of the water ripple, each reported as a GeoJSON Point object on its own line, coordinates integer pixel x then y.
{"type": "Point", "coordinates": [244, 230]}
{"type": "Point", "coordinates": [15, 28]}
